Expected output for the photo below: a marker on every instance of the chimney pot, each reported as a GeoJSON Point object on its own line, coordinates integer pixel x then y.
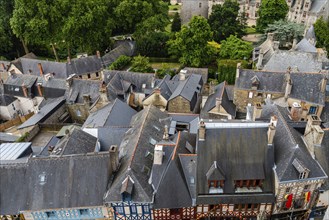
{"type": "Point", "coordinates": [40, 69]}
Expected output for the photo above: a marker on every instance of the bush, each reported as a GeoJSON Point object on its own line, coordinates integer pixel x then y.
{"type": "Point", "coordinates": [120, 63]}
{"type": "Point", "coordinates": [227, 70]}
{"type": "Point", "coordinates": [141, 64]}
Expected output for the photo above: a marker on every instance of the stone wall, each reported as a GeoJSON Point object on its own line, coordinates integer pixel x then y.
{"type": "Point", "coordinates": [179, 105]}
{"type": "Point", "coordinates": [78, 112]}
{"type": "Point", "coordinates": [54, 118]}
{"type": "Point", "coordinates": [192, 8]}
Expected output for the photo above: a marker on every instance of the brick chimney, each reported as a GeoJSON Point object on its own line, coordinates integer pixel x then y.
{"type": "Point", "coordinates": [39, 86]}
{"type": "Point", "coordinates": [40, 69]}
{"type": "Point", "coordinates": [272, 129]}
{"type": "Point", "coordinates": [202, 131]}
{"type": "Point", "coordinates": [24, 88]}
{"type": "Point", "coordinates": [288, 84]}
{"type": "Point", "coordinates": [158, 155]}
{"type": "Point", "coordinates": [114, 157]}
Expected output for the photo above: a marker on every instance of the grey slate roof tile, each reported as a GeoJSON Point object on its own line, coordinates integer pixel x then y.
{"type": "Point", "coordinates": [6, 100]}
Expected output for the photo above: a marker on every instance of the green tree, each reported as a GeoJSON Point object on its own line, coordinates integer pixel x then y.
{"type": "Point", "coordinates": [176, 23]}
{"type": "Point", "coordinates": [321, 29]}
{"type": "Point", "coordinates": [225, 20]}
{"type": "Point", "coordinates": [141, 64]}
{"type": "Point", "coordinates": [234, 48]}
{"type": "Point", "coordinates": [129, 13]}
{"type": "Point", "coordinates": [151, 37]}
{"type": "Point", "coordinates": [190, 44]}
{"type": "Point", "coordinates": [120, 63]}
{"type": "Point", "coordinates": [271, 11]}
{"type": "Point", "coordinates": [286, 31]}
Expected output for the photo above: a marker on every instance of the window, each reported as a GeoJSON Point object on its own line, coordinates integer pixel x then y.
{"type": "Point", "coordinates": [288, 189]}
{"type": "Point", "coordinates": [97, 74]}
{"type": "Point", "coordinates": [78, 113]}
{"type": "Point", "coordinates": [88, 75]}
{"type": "Point", "coordinates": [133, 209]}
{"type": "Point", "coordinates": [307, 187]}
{"type": "Point", "coordinates": [146, 209]}
{"type": "Point", "coordinates": [119, 209]}
{"type": "Point", "coordinates": [13, 106]}
{"type": "Point", "coordinates": [152, 141]}
{"type": "Point", "coordinates": [200, 4]}
{"type": "Point", "coordinates": [84, 212]}
{"type": "Point", "coordinates": [312, 110]}
{"type": "Point", "coordinates": [250, 95]}
{"type": "Point", "coordinates": [51, 214]}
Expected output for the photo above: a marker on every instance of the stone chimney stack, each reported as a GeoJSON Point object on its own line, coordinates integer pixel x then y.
{"type": "Point", "coordinates": [257, 111]}
{"type": "Point", "coordinates": [39, 86]}
{"type": "Point", "coordinates": [218, 104]}
{"type": "Point", "coordinates": [238, 67]}
{"type": "Point", "coordinates": [250, 112]}
{"type": "Point", "coordinates": [40, 69]}
{"type": "Point", "coordinates": [166, 133]}
{"type": "Point", "coordinates": [272, 129]}
{"type": "Point", "coordinates": [323, 84]}
{"type": "Point", "coordinates": [114, 157]}
{"type": "Point", "coordinates": [86, 100]}
{"type": "Point", "coordinates": [276, 45]}
{"type": "Point", "coordinates": [98, 54]}
{"type": "Point", "coordinates": [182, 75]}
{"type": "Point", "coordinates": [288, 85]}
{"type": "Point", "coordinates": [313, 135]}
{"type": "Point", "coordinates": [259, 64]}
{"type": "Point", "coordinates": [294, 44]}
{"type": "Point", "coordinates": [3, 66]}
{"type": "Point", "coordinates": [296, 111]}
{"type": "Point", "coordinates": [158, 154]}
{"type": "Point", "coordinates": [202, 131]}
{"type": "Point", "coordinates": [24, 88]}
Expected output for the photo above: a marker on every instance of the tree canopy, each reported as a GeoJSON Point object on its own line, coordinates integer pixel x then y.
{"type": "Point", "coordinates": [321, 29]}
{"type": "Point", "coordinates": [190, 45]}
{"type": "Point", "coordinates": [141, 64]}
{"type": "Point", "coordinates": [234, 48]}
{"type": "Point", "coordinates": [176, 23]}
{"type": "Point", "coordinates": [271, 11]}
{"type": "Point", "coordinates": [225, 20]}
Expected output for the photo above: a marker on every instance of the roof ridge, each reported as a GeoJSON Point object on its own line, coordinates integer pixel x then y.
{"type": "Point", "coordinates": [286, 126]}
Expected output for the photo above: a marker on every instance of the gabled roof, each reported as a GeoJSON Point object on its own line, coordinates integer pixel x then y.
{"type": "Point", "coordinates": [54, 183]}
{"type": "Point", "coordinates": [288, 147]}
{"type": "Point", "coordinates": [319, 5]}
{"type": "Point", "coordinates": [310, 33]}
{"type": "Point", "coordinates": [6, 100]}
{"type": "Point", "coordinates": [109, 136]}
{"type": "Point", "coordinates": [80, 87]}
{"type": "Point", "coordinates": [305, 46]}
{"type": "Point", "coordinates": [19, 80]}
{"type": "Point", "coordinates": [7, 138]}
{"type": "Point", "coordinates": [117, 113]}
{"type": "Point", "coordinates": [215, 172]}
{"type": "Point", "coordinates": [126, 48]}
{"type": "Point", "coordinates": [84, 65]}
{"type": "Point", "coordinates": [75, 142]}
{"type": "Point", "coordinates": [44, 113]}
{"type": "Point", "coordinates": [199, 71]}
{"type": "Point", "coordinates": [188, 88]}
{"type": "Point", "coordinates": [138, 141]}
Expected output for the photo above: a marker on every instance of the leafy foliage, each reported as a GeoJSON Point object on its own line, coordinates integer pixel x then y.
{"type": "Point", "coordinates": [120, 63]}
{"type": "Point", "coordinates": [225, 20]}
{"type": "Point", "coordinates": [190, 44]}
{"type": "Point", "coordinates": [321, 29]}
{"type": "Point", "coordinates": [234, 48]}
{"type": "Point", "coordinates": [176, 23]}
{"type": "Point", "coordinates": [271, 11]}
{"type": "Point", "coordinates": [141, 64]}
{"type": "Point", "coordinates": [227, 70]}
{"type": "Point", "coordinates": [286, 31]}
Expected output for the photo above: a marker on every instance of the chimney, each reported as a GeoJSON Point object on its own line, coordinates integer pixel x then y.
{"type": "Point", "coordinates": [259, 64]}
{"type": "Point", "coordinates": [69, 81]}
{"type": "Point", "coordinates": [257, 111]}
{"type": "Point", "coordinates": [323, 84]}
{"type": "Point", "coordinates": [181, 76]}
{"type": "Point", "coordinates": [152, 84]}
{"type": "Point", "coordinates": [143, 86]}
{"type": "Point", "coordinates": [296, 111]}
{"type": "Point", "coordinates": [24, 90]}
{"type": "Point", "coordinates": [250, 112]}
{"type": "Point", "coordinates": [86, 100]}
{"type": "Point", "coordinates": [202, 131]}
{"type": "Point", "coordinates": [114, 157]}
{"type": "Point", "coordinates": [271, 129]}
{"type": "Point", "coordinates": [238, 67]}
{"type": "Point", "coordinates": [69, 60]}
{"type": "Point", "coordinates": [288, 85]}
{"type": "Point", "coordinates": [276, 45]}
{"type": "Point", "coordinates": [218, 104]}
{"type": "Point", "coordinates": [166, 133]}
{"type": "Point", "coordinates": [98, 54]}
{"type": "Point", "coordinates": [294, 44]}
{"type": "Point", "coordinates": [158, 154]}
{"type": "Point", "coordinates": [270, 36]}
{"type": "Point", "coordinates": [40, 69]}
{"type": "Point", "coordinates": [39, 86]}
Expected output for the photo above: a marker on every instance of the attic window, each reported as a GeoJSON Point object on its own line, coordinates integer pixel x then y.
{"type": "Point", "coordinates": [152, 141]}
{"type": "Point", "coordinates": [42, 178]}
{"type": "Point", "coordinates": [157, 128]}
{"type": "Point", "coordinates": [146, 170]}
{"type": "Point", "coordinates": [192, 180]}
{"type": "Point", "coordinates": [149, 155]}
{"type": "Point", "coordinates": [302, 170]}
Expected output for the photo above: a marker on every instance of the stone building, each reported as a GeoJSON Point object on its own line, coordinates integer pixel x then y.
{"type": "Point", "coordinates": [192, 8]}
{"type": "Point", "coordinates": [307, 11]}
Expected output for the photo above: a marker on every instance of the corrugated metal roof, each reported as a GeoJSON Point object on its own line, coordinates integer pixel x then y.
{"type": "Point", "coordinates": [12, 151]}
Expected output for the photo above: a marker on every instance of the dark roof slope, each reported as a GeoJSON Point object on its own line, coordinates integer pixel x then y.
{"type": "Point", "coordinates": [117, 113]}
{"type": "Point", "coordinates": [188, 88]}
{"type": "Point", "coordinates": [84, 65]}
{"type": "Point", "coordinates": [19, 80]}
{"type": "Point", "coordinates": [126, 48]}
{"type": "Point", "coordinates": [109, 136]}
{"type": "Point", "coordinates": [79, 87]}
{"type": "Point", "coordinates": [322, 156]}
{"type": "Point", "coordinates": [6, 100]}
{"type": "Point", "coordinates": [52, 183]}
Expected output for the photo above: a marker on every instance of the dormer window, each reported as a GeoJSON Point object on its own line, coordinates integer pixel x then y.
{"type": "Point", "coordinates": [302, 170]}
{"type": "Point", "coordinates": [215, 177]}
{"type": "Point", "coordinates": [127, 188]}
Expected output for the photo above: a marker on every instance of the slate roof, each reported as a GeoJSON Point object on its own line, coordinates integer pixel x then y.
{"type": "Point", "coordinates": [80, 87]}
{"type": "Point", "coordinates": [117, 113]}
{"type": "Point", "coordinates": [109, 136]}
{"type": "Point", "coordinates": [51, 143]}
{"type": "Point", "coordinates": [137, 142]}
{"type": "Point", "coordinates": [322, 156]}
{"type": "Point", "coordinates": [281, 60]}
{"type": "Point", "coordinates": [310, 33]}
{"type": "Point", "coordinates": [30, 67]}
{"type": "Point", "coordinates": [76, 142]}
{"type": "Point", "coordinates": [268, 81]}
{"type": "Point", "coordinates": [6, 63]}
{"type": "Point", "coordinates": [5, 138]}
{"type": "Point", "coordinates": [241, 153]}
{"type": "Point", "coordinates": [6, 100]}
{"type": "Point", "coordinates": [126, 48]}
{"type": "Point", "coordinates": [188, 88]}
{"type": "Point", "coordinates": [19, 80]}
{"type": "Point", "coordinates": [305, 46]}
{"type": "Point", "coordinates": [318, 5]}
{"type": "Point", "coordinates": [289, 146]}
{"type": "Point", "coordinates": [71, 181]}
{"type": "Point", "coordinates": [84, 65]}
{"type": "Point", "coordinates": [220, 93]}
{"type": "Point", "coordinates": [44, 113]}
{"type": "Point", "coordinates": [199, 71]}
{"type": "Point", "coordinates": [325, 113]}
